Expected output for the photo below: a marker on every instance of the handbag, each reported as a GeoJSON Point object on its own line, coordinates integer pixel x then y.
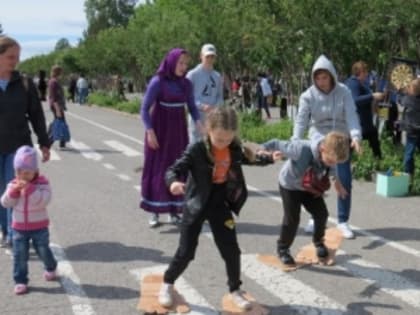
{"type": "Point", "coordinates": [316, 184]}
{"type": "Point", "coordinates": [60, 130]}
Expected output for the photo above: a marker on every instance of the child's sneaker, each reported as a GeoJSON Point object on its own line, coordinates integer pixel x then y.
{"type": "Point", "coordinates": [240, 301]}
{"type": "Point", "coordinates": [21, 288]}
{"type": "Point", "coordinates": [50, 275]}
{"type": "Point", "coordinates": [285, 257]}
{"type": "Point", "coordinates": [165, 297]}
{"type": "Point", "coordinates": [345, 230]}
{"type": "Point", "coordinates": [174, 219]}
{"type": "Point", "coordinates": [321, 250]}
{"type": "Point", "coordinates": [154, 220]}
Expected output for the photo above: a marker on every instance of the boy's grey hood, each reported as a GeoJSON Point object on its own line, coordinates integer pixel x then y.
{"type": "Point", "coordinates": [325, 64]}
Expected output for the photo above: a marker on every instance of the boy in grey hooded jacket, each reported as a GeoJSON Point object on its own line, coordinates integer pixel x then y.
{"type": "Point", "coordinates": [325, 106]}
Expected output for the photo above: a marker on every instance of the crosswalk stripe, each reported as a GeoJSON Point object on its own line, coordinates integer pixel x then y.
{"type": "Point", "coordinates": [124, 177]}
{"type": "Point", "coordinates": [385, 280]}
{"type": "Point", "coordinates": [86, 151]}
{"type": "Point", "coordinates": [80, 303]}
{"type": "Point", "coordinates": [126, 150]}
{"type": "Point", "coordinates": [198, 304]}
{"type": "Point", "coordinates": [109, 166]}
{"type": "Point", "coordinates": [298, 296]}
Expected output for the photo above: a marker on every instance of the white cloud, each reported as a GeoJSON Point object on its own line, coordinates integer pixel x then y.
{"type": "Point", "coordinates": [38, 25]}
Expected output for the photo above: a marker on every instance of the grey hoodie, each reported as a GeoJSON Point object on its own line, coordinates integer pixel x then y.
{"type": "Point", "coordinates": [323, 112]}
{"type": "Point", "coordinates": [301, 155]}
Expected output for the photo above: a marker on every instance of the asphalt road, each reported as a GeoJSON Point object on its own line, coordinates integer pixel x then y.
{"type": "Point", "coordinates": [104, 245]}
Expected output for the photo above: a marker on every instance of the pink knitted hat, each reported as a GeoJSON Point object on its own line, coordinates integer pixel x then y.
{"type": "Point", "coordinates": [26, 159]}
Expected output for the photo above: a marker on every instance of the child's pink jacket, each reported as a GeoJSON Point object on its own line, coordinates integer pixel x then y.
{"type": "Point", "coordinates": [29, 208]}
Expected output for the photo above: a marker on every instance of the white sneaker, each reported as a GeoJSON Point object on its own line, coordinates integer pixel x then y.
{"type": "Point", "coordinates": [240, 301]}
{"type": "Point", "coordinates": [154, 220]}
{"type": "Point", "coordinates": [165, 297]}
{"type": "Point", "coordinates": [309, 228]}
{"type": "Point", "coordinates": [346, 230]}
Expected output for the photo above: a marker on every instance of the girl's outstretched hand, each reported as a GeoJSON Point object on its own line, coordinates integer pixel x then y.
{"type": "Point", "coordinates": [177, 188]}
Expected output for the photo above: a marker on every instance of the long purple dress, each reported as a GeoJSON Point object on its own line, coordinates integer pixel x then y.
{"type": "Point", "coordinates": [163, 110]}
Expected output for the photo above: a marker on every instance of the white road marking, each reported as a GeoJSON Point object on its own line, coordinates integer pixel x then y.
{"type": "Point", "coordinates": [385, 280]}
{"type": "Point", "coordinates": [137, 187]}
{"type": "Point", "coordinates": [79, 301]}
{"type": "Point", "coordinates": [86, 151]}
{"type": "Point", "coordinates": [198, 304]}
{"type": "Point", "coordinates": [123, 135]}
{"type": "Point", "coordinates": [126, 150]}
{"type": "Point", "coordinates": [124, 177]}
{"type": "Point", "coordinates": [109, 166]}
{"type": "Point", "coordinates": [295, 294]}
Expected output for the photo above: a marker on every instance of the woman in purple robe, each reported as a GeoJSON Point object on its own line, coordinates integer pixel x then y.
{"type": "Point", "coordinates": [164, 117]}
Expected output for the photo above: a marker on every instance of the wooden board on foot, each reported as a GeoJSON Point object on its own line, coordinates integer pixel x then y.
{"type": "Point", "coordinates": [274, 261]}
{"type": "Point", "coordinates": [149, 290]}
{"type": "Point", "coordinates": [332, 240]}
{"type": "Point", "coordinates": [229, 308]}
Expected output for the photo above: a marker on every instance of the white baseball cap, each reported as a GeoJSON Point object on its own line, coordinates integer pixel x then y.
{"type": "Point", "coordinates": [208, 49]}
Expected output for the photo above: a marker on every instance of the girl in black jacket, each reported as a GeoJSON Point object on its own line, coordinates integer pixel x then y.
{"type": "Point", "coordinates": [215, 187]}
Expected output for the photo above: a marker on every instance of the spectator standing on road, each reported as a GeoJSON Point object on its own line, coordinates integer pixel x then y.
{"type": "Point", "coordinates": [208, 88]}
{"type": "Point", "coordinates": [411, 124]}
{"type": "Point", "coordinates": [19, 105]}
{"type": "Point", "coordinates": [56, 99]}
{"type": "Point", "coordinates": [363, 97]}
{"type": "Point", "coordinates": [42, 85]}
{"type": "Point", "coordinates": [264, 94]}
{"type": "Point", "coordinates": [82, 89]}
{"type": "Point", "coordinates": [318, 156]}
{"type": "Point", "coordinates": [163, 115]}
{"type": "Point", "coordinates": [72, 89]}
{"type": "Point", "coordinates": [29, 194]}
{"type": "Point", "coordinates": [326, 106]}
{"type": "Point", "coordinates": [215, 187]}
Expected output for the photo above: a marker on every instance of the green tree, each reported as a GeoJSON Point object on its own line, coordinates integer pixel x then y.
{"type": "Point", "coordinates": [102, 14]}
{"type": "Point", "coordinates": [62, 44]}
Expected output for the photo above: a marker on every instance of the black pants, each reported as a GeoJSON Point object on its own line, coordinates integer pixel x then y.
{"type": "Point", "coordinates": [292, 201]}
{"type": "Point", "coordinates": [222, 226]}
{"type": "Point", "coordinates": [371, 135]}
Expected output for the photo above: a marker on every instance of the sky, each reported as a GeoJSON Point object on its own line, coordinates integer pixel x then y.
{"type": "Point", "coordinates": [38, 24]}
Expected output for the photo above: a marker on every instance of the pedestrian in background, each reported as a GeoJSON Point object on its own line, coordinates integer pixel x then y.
{"type": "Point", "coordinates": [163, 115]}
{"type": "Point", "coordinates": [207, 86]}
{"type": "Point", "coordinates": [20, 106]}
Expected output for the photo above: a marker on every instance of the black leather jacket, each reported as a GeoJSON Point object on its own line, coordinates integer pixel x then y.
{"type": "Point", "coordinates": [197, 162]}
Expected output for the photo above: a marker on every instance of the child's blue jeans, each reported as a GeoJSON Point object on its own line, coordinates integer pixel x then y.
{"type": "Point", "coordinates": [40, 241]}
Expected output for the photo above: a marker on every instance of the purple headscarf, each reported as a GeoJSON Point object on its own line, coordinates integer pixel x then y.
{"type": "Point", "coordinates": [168, 65]}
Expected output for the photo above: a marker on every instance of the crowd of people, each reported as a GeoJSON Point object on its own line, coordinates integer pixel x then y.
{"type": "Point", "coordinates": [192, 165]}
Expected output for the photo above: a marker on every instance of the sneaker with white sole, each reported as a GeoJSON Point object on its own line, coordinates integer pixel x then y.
{"type": "Point", "coordinates": [309, 228]}
{"type": "Point", "coordinates": [20, 289]}
{"type": "Point", "coordinates": [240, 301]}
{"type": "Point", "coordinates": [154, 220]}
{"type": "Point", "coordinates": [165, 297]}
{"type": "Point", "coordinates": [345, 230]}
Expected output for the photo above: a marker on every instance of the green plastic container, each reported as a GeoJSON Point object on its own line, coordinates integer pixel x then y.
{"type": "Point", "coordinates": [392, 186]}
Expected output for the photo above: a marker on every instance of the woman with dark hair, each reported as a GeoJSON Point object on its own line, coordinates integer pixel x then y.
{"type": "Point", "coordinates": [42, 85]}
{"type": "Point", "coordinates": [19, 103]}
{"type": "Point", "coordinates": [163, 115]}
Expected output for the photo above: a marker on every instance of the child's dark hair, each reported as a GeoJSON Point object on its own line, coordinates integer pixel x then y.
{"type": "Point", "coordinates": [222, 117]}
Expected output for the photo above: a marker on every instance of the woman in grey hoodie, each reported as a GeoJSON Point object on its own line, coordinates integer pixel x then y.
{"type": "Point", "coordinates": [325, 106]}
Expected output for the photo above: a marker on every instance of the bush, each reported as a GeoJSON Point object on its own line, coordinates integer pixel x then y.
{"type": "Point", "coordinates": [113, 100]}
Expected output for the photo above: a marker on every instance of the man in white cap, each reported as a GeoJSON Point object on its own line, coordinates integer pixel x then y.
{"type": "Point", "coordinates": [208, 87]}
